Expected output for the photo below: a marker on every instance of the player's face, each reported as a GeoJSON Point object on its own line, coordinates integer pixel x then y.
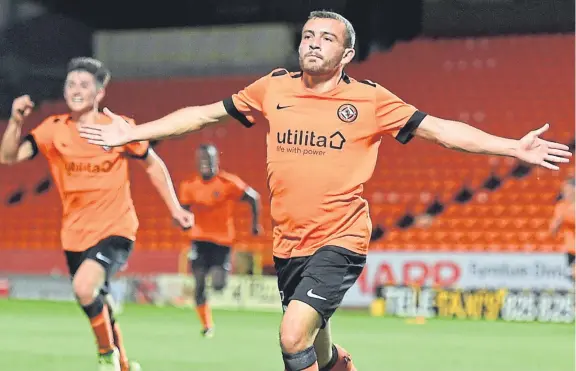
{"type": "Point", "coordinates": [81, 91]}
{"type": "Point", "coordinates": [322, 47]}
{"type": "Point", "coordinates": [207, 163]}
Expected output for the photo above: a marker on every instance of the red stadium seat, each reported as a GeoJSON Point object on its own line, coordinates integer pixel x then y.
{"type": "Point", "coordinates": [493, 92]}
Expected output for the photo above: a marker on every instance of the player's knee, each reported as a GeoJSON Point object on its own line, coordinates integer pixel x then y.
{"type": "Point", "coordinates": [88, 280]}
{"type": "Point", "coordinates": [84, 290]}
{"type": "Point", "coordinates": [293, 341]}
{"type": "Point", "coordinates": [219, 282]}
{"type": "Point", "coordinates": [294, 337]}
{"type": "Point", "coordinates": [299, 327]}
{"type": "Point", "coordinates": [218, 286]}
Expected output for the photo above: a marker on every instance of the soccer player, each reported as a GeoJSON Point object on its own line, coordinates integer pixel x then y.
{"type": "Point", "coordinates": [212, 195]}
{"type": "Point", "coordinates": [324, 129]}
{"type": "Point", "coordinates": [99, 221]}
{"type": "Point", "coordinates": [563, 220]}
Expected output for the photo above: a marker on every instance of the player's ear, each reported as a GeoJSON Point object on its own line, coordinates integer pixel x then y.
{"type": "Point", "coordinates": [100, 94]}
{"type": "Point", "coordinates": [348, 55]}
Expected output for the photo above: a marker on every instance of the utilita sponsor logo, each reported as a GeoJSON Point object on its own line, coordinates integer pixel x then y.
{"type": "Point", "coordinates": [86, 167]}
{"type": "Point", "coordinates": [311, 139]}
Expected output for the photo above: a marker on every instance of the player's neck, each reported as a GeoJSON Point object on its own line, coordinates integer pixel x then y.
{"type": "Point", "coordinates": [322, 83]}
{"type": "Point", "coordinates": [209, 177]}
{"type": "Point", "coordinates": [85, 117]}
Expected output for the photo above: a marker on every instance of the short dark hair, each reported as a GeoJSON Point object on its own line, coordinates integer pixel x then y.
{"type": "Point", "coordinates": [326, 14]}
{"type": "Point", "coordinates": [94, 66]}
{"type": "Point", "coordinates": [209, 148]}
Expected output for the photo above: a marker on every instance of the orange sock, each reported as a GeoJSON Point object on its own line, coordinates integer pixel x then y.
{"type": "Point", "coordinates": [342, 361]}
{"type": "Point", "coordinates": [119, 342]}
{"type": "Point", "coordinates": [205, 315]}
{"type": "Point", "coordinates": [103, 331]}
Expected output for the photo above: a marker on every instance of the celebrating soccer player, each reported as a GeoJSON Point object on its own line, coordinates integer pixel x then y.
{"type": "Point", "coordinates": [212, 195]}
{"type": "Point", "coordinates": [99, 222]}
{"type": "Point", "coordinates": [324, 127]}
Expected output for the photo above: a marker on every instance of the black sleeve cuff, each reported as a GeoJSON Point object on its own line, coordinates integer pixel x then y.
{"type": "Point", "coordinates": [233, 111]}
{"type": "Point", "coordinates": [30, 138]}
{"type": "Point", "coordinates": [406, 133]}
{"type": "Point", "coordinates": [140, 157]}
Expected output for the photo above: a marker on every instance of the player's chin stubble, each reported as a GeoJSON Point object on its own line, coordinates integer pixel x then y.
{"type": "Point", "coordinates": [313, 68]}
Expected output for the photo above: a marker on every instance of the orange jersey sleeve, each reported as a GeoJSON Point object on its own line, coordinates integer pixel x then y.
{"type": "Point", "coordinates": [42, 136]}
{"type": "Point", "coordinates": [245, 104]}
{"type": "Point", "coordinates": [395, 117]}
{"type": "Point", "coordinates": [136, 149]}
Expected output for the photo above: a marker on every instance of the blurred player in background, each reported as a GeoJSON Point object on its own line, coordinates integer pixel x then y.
{"type": "Point", "coordinates": [324, 132]}
{"type": "Point", "coordinates": [212, 196]}
{"type": "Point", "coordinates": [563, 221]}
{"type": "Point", "coordinates": [99, 221]}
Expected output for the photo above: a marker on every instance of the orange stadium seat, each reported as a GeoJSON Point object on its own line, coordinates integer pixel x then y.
{"type": "Point", "coordinates": [477, 81]}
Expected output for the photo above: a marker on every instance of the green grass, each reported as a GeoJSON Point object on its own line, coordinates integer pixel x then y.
{"type": "Point", "coordinates": [56, 337]}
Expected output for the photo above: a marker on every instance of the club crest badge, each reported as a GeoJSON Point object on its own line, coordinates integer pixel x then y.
{"type": "Point", "coordinates": [347, 113]}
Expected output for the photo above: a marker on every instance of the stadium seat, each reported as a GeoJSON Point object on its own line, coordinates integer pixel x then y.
{"type": "Point", "coordinates": [486, 87]}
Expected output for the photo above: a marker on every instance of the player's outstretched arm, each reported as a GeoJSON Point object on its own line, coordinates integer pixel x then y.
{"type": "Point", "coordinates": [457, 135]}
{"type": "Point", "coordinates": [12, 150]}
{"type": "Point", "coordinates": [557, 219]}
{"type": "Point", "coordinates": [180, 122]}
{"type": "Point", "coordinates": [160, 178]}
{"type": "Point", "coordinates": [253, 198]}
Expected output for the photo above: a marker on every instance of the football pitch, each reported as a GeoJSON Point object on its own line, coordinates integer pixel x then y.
{"type": "Point", "coordinates": [51, 336]}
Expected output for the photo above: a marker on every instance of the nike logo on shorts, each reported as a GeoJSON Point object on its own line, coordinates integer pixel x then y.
{"type": "Point", "coordinates": [101, 256]}
{"type": "Point", "coordinates": [278, 106]}
{"type": "Point", "coordinates": [314, 296]}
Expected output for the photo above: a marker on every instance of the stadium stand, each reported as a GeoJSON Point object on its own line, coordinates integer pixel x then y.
{"type": "Point", "coordinates": [505, 85]}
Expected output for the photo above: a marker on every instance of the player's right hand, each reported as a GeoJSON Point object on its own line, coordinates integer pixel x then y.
{"type": "Point", "coordinates": [21, 108]}
{"type": "Point", "coordinates": [184, 218]}
{"type": "Point", "coordinates": [114, 134]}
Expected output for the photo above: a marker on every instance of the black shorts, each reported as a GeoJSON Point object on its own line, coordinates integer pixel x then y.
{"type": "Point", "coordinates": [111, 253]}
{"type": "Point", "coordinates": [205, 255]}
{"type": "Point", "coordinates": [320, 280]}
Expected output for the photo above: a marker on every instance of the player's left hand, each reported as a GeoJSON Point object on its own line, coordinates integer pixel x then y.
{"type": "Point", "coordinates": [537, 151]}
{"type": "Point", "coordinates": [114, 134]}
{"type": "Point", "coordinates": [257, 230]}
{"type": "Point", "coordinates": [184, 218]}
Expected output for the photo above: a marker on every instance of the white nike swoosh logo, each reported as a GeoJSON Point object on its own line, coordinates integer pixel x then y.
{"type": "Point", "coordinates": [314, 296]}
{"type": "Point", "coordinates": [99, 256]}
